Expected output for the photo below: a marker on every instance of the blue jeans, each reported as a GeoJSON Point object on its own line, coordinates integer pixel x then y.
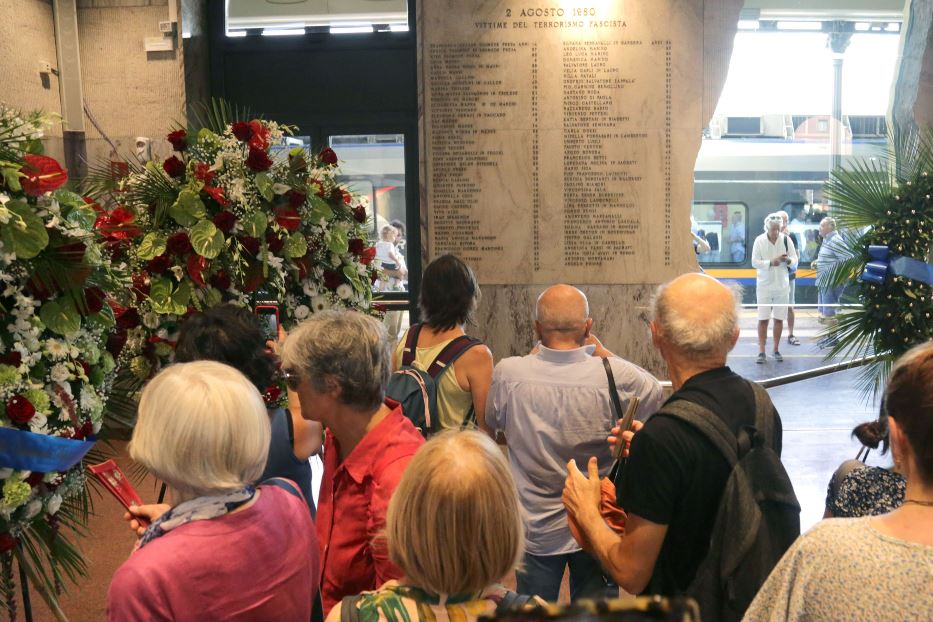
{"type": "Point", "coordinates": [541, 576]}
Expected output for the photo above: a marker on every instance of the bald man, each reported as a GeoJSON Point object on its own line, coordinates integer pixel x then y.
{"type": "Point", "coordinates": [554, 405]}
{"type": "Point", "coordinates": [674, 477]}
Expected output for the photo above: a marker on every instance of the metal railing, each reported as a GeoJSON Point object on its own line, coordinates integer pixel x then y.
{"type": "Point", "coordinates": [807, 374]}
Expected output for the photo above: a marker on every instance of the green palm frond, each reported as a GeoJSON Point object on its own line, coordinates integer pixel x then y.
{"type": "Point", "coordinates": [217, 115]}
{"type": "Point", "coordinates": [859, 194]}
{"type": "Point", "coordinates": [103, 179]}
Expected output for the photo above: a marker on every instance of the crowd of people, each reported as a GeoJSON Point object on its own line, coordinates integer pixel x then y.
{"type": "Point", "coordinates": [408, 528]}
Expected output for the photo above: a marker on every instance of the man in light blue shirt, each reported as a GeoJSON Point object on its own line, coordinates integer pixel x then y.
{"type": "Point", "coordinates": [554, 405]}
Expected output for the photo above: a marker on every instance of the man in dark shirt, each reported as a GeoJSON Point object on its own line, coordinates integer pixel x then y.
{"type": "Point", "coordinates": [674, 477]}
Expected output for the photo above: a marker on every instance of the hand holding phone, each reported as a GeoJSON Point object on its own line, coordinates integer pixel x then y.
{"type": "Point", "coordinates": [268, 315]}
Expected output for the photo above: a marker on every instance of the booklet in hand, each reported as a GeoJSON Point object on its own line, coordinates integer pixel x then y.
{"type": "Point", "coordinates": [113, 479]}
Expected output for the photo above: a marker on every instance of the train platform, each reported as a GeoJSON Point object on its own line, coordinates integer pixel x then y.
{"type": "Point", "coordinates": [818, 414]}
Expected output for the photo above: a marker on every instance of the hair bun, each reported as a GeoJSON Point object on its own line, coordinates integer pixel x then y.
{"type": "Point", "coordinates": [870, 433]}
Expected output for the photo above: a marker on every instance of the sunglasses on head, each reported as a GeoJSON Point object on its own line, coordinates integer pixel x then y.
{"type": "Point", "coordinates": [292, 380]}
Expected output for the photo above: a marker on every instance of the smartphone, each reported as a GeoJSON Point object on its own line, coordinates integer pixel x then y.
{"type": "Point", "coordinates": [113, 479]}
{"type": "Point", "coordinates": [268, 315]}
{"type": "Point", "coordinates": [626, 424]}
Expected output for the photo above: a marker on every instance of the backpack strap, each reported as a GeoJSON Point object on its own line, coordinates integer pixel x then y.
{"type": "Point", "coordinates": [709, 424]}
{"type": "Point", "coordinates": [764, 413]}
{"type": "Point", "coordinates": [285, 484]}
{"type": "Point", "coordinates": [451, 352]}
{"type": "Point", "coordinates": [349, 612]}
{"type": "Point", "coordinates": [411, 345]}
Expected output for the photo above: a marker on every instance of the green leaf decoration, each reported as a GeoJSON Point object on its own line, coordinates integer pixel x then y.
{"type": "Point", "coordinates": [82, 217]}
{"type": "Point", "coordinates": [217, 115]}
{"type": "Point", "coordinates": [320, 209]}
{"type": "Point", "coordinates": [206, 135]}
{"type": "Point", "coordinates": [354, 276]}
{"type": "Point", "coordinates": [255, 225]}
{"type": "Point", "coordinates": [338, 242]}
{"type": "Point", "coordinates": [166, 300]}
{"type": "Point", "coordinates": [212, 297]}
{"type": "Point", "coordinates": [11, 179]}
{"type": "Point", "coordinates": [187, 209]}
{"type": "Point", "coordinates": [296, 245]}
{"type": "Point", "coordinates": [264, 185]}
{"type": "Point", "coordinates": [206, 239]}
{"type": "Point", "coordinates": [103, 319]}
{"type": "Point", "coordinates": [60, 316]}
{"type": "Point", "coordinates": [68, 198]}
{"type": "Point", "coordinates": [152, 246]}
{"type": "Point", "coordinates": [27, 236]}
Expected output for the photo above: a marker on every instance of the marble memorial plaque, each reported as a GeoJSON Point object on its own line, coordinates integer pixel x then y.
{"type": "Point", "coordinates": [559, 138]}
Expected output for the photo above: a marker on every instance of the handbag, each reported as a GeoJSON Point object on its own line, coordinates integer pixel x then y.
{"type": "Point", "coordinates": [608, 508]}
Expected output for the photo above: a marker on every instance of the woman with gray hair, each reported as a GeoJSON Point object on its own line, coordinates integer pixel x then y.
{"type": "Point", "coordinates": [225, 549]}
{"type": "Point", "coordinates": [338, 363]}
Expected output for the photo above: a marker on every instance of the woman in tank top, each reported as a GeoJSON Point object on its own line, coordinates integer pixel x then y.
{"type": "Point", "coordinates": [448, 299]}
{"type": "Point", "coordinates": [232, 335]}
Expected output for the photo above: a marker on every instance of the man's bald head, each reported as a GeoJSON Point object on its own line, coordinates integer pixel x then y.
{"type": "Point", "coordinates": [697, 316]}
{"type": "Point", "coordinates": [562, 314]}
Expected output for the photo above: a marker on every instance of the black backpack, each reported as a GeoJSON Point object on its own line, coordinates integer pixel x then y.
{"type": "Point", "coordinates": [416, 389]}
{"type": "Point", "coordinates": [758, 516]}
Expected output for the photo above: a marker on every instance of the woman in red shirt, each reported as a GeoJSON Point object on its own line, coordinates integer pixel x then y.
{"type": "Point", "coordinates": [225, 549]}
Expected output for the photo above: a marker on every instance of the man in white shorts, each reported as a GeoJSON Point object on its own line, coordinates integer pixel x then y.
{"type": "Point", "coordinates": [772, 253]}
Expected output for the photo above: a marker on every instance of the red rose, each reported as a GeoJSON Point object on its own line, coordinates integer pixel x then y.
{"type": "Point", "coordinates": [258, 160]}
{"type": "Point", "coordinates": [94, 297]}
{"type": "Point", "coordinates": [250, 245]}
{"type": "Point", "coordinates": [203, 172]}
{"type": "Point", "coordinates": [359, 213]}
{"type": "Point", "coordinates": [196, 266]}
{"type": "Point", "coordinates": [225, 221]}
{"type": "Point", "coordinates": [287, 217]}
{"type": "Point", "coordinates": [217, 194]}
{"type": "Point", "coordinates": [13, 359]}
{"type": "Point", "coordinates": [220, 280]}
{"type": "Point", "coordinates": [34, 479]}
{"type": "Point", "coordinates": [356, 246]}
{"type": "Point", "coordinates": [328, 156]}
{"type": "Point", "coordinates": [332, 279]}
{"type": "Point", "coordinates": [241, 130]}
{"type": "Point", "coordinates": [295, 198]}
{"type": "Point", "coordinates": [7, 542]}
{"type": "Point", "coordinates": [304, 267]}
{"type": "Point", "coordinates": [115, 342]}
{"type": "Point", "coordinates": [177, 138]}
{"type": "Point", "coordinates": [272, 394]}
{"type": "Point", "coordinates": [42, 174]}
{"type": "Point", "coordinates": [128, 319]}
{"type": "Point", "coordinates": [174, 167]}
{"type": "Point", "coordinates": [179, 244]}
{"type": "Point", "coordinates": [158, 265]}
{"type": "Point", "coordinates": [19, 409]}
{"type": "Point", "coordinates": [274, 243]}
{"type": "Point", "coordinates": [368, 255]}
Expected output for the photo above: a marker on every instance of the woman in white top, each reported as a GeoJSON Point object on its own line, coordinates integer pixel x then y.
{"type": "Point", "coordinates": [872, 568]}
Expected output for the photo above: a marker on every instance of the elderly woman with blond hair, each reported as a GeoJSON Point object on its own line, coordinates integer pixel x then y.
{"type": "Point", "coordinates": [454, 529]}
{"type": "Point", "coordinates": [226, 549]}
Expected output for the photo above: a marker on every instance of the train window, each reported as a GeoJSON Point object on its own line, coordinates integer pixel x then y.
{"type": "Point", "coordinates": [282, 18]}
{"type": "Point", "coordinates": [720, 232]}
{"type": "Point", "coordinates": [804, 228]}
{"type": "Point", "coordinates": [373, 165]}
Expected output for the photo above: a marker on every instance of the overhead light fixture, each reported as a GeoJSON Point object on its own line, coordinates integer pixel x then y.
{"type": "Point", "coordinates": [748, 24]}
{"type": "Point", "coordinates": [282, 32]}
{"type": "Point", "coordinates": [346, 29]}
{"type": "Point", "coordinates": [800, 25]}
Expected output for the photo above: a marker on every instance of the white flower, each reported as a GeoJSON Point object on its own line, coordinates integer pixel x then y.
{"type": "Point", "coordinates": [335, 260]}
{"type": "Point", "coordinates": [32, 509]}
{"type": "Point", "coordinates": [56, 349]}
{"type": "Point", "coordinates": [301, 312]}
{"type": "Point", "coordinates": [319, 303]}
{"type": "Point", "coordinates": [152, 320]}
{"type": "Point", "coordinates": [39, 424]}
{"type": "Point", "coordinates": [53, 504]}
{"type": "Point", "coordinates": [280, 188]}
{"type": "Point", "coordinates": [178, 273]}
{"type": "Point", "coordinates": [344, 291]}
{"type": "Point", "coordinates": [308, 288]}
{"type": "Point", "coordinates": [60, 373]}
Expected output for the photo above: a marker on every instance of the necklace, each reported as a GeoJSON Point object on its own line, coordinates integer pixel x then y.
{"type": "Point", "coordinates": [919, 502]}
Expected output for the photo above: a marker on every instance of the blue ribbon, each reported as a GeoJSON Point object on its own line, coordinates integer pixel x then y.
{"type": "Point", "coordinates": [26, 451]}
{"type": "Point", "coordinates": [882, 262]}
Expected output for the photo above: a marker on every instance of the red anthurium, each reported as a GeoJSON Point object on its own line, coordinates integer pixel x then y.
{"type": "Point", "coordinates": [250, 245]}
{"type": "Point", "coordinates": [259, 137]}
{"type": "Point", "coordinates": [94, 297]}
{"type": "Point", "coordinates": [287, 217]}
{"type": "Point", "coordinates": [368, 255]}
{"type": "Point", "coordinates": [304, 267]}
{"type": "Point", "coordinates": [217, 194]}
{"type": "Point", "coordinates": [196, 266]}
{"type": "Point", "coordinates": [203, 172]}
{"type": "Point", "coordinates": [42, 174]}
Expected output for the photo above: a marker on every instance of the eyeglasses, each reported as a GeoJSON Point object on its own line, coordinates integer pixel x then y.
{"type": "Point", "coordinates": [292, 380]}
